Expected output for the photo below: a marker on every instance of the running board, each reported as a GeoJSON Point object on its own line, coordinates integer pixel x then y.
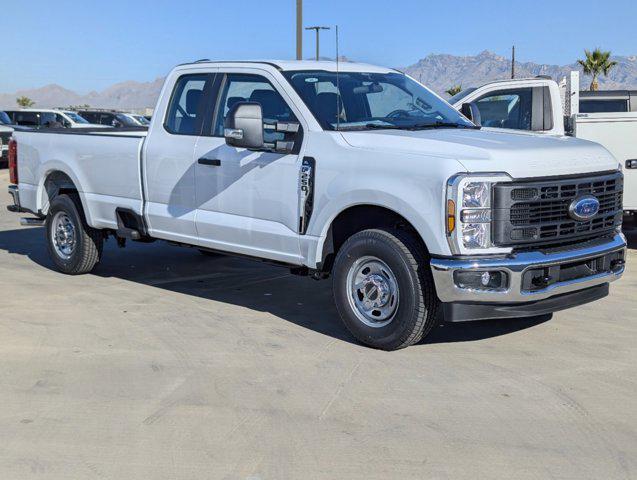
{"type": "Point", "coordinates": [32, 222]}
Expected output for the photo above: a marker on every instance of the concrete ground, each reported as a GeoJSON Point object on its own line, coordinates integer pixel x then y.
{"type": "Point", "coordinates": [165, 364]}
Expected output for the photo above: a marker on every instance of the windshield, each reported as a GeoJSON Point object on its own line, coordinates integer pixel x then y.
{"type": "Point", "coordinates": [460, 95]}
{"type": "Point", "coordinates": [75, 117]}
{"type": "Point", "coordinates": [4, 119]}
{"type": "Point", "coordinates": [372, 100]}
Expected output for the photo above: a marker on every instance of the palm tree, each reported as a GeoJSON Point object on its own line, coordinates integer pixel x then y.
{"type": "Point", "coordinates": [454, 90]}
{"type": "Point", "coordinates": [24, 102]}
{"type": "Point", "coordinates": [596, 62]}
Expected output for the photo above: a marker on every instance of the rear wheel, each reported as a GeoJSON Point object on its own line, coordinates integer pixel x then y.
{"type": "Point", "coordinates": [383, 288]}
{"type": "Point", "coordinates": [73, 245]}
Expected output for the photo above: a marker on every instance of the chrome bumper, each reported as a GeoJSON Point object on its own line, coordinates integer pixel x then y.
{"type": "Point", "coordinates": [515, 267]}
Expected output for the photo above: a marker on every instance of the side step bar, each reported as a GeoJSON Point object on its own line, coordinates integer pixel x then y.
{"type": "Point", "coordinates": [32, 222]}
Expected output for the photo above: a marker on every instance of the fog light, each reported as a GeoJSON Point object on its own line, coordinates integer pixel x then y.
{"type": "Point", "coordinates": [485, 280]}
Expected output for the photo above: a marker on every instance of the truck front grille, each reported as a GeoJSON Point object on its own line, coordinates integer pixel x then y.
{"type": "Point", "coordinates": [537, 212]}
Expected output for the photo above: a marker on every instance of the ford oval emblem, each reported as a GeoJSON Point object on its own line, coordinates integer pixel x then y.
{"type": "Point", "coordinates": [583, 208]}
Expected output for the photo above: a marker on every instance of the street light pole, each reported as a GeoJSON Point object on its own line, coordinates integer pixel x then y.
{"type": "Point", "coordinates": [299, 29]}
{"type": "Point", "coordinates": [317, 29]}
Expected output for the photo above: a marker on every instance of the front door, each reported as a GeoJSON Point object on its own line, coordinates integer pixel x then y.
{"type": "Point", "coordinates": [247, 201]}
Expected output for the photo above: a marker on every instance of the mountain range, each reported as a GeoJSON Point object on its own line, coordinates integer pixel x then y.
{"type": "Point", "coordinates": [438, 71]}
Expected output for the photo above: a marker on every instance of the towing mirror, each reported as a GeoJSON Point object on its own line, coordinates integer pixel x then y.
{"type": "Point", "coordinates": [244, 126]}
{"type": "Point", "coordinates": [471, 111]}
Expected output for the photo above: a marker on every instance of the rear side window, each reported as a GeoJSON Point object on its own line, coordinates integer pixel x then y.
{"type": "Point", "coordinates": [90, 116]}
{"type": "Point", "coordinates": [187, 107]}
{"type": "Point", "coordinates": [28, 119]}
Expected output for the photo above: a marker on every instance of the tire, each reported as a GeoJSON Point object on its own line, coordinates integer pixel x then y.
{"type": "Point", "coordinates": [83, 251]}
{"type": "Point", "coordinates": [382, 260]}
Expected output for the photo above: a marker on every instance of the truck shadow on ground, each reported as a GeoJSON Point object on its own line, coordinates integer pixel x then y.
{"type": "Point", "coordinates": [241, 282]}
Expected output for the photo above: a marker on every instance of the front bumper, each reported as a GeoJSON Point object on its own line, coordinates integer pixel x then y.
{"type": "Point", "coordinates": [565, 271]}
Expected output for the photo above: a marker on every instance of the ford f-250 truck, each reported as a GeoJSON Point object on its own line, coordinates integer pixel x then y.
{"type": "Point", "coordinates": [353, 171]}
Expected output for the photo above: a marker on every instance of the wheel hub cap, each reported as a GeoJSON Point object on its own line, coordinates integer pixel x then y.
{"type": "Point", "coordinates": [63, 233]}
{"type": "Point", "coordinates": [373, 291]}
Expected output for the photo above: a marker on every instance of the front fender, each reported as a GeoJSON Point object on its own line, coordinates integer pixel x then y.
{"type": "Point", "coordinates": [421, 207]}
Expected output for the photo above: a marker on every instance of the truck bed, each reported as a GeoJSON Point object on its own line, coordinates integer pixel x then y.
{"type": "Point", "coordinates": [103, 163]}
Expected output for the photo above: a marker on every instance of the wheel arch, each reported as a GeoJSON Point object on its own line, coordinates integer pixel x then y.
{"type": "Point", "coordinates": [57, 181]}
{"type": "Point", "coordinates": [356, 217]}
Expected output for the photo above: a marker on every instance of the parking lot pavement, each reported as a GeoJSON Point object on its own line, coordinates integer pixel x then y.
{"type": "Point", "coordinates": [165, 364]}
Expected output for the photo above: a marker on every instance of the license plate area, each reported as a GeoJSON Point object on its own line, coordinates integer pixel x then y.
{"type": "Point", "coordinates": [535, 279]}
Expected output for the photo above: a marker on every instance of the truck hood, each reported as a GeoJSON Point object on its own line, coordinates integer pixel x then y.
{"type": "Point", "coordinates": [520, 154]}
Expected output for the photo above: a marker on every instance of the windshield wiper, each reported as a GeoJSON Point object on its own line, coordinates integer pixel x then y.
{"type": "Point", "coordinates": [416, 126]}
{"type": "Point", "coordinates": [420, 126]}
{"type": "Point", "coordinates": [383, 127]}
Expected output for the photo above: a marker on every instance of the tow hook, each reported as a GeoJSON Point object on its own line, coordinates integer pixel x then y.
{"type": "Point", "coordinates": [542, 281]}
{"type": "Point", "coordinates": [617, 264]}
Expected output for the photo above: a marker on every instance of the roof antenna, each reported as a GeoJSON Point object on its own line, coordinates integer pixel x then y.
{"type": "Point", "coordinates": [338, 88]}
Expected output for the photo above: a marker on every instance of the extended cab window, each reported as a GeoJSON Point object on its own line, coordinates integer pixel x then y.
{"type": "Point", "coordinates": [252, 88]}
{"type": "Point", "coordinates": [186, 109]}
{"type": "Point", "coordinates": [507, 109]}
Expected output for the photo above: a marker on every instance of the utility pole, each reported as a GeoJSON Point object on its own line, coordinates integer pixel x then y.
{"type": "Point", "coordinates": [513, 62]}
{"type": "Point", "coordinates": [299, 29]}
{"type": "Point", "coordinates": [317, 29]}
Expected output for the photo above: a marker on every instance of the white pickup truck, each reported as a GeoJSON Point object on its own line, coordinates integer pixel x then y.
{"type": "Point", "coordinates": [542, 106]}
{"type": "Point", "coordinates": [353, 171]}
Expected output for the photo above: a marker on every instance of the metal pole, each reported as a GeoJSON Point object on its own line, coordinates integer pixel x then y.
{"type": "Point", "coordinates": [513, 62]}
{"type": "Point", "coordinates": [299, 29]}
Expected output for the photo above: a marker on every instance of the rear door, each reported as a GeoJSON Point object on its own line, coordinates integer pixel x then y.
{"type": "Point", "coordinates": [168, 157]}
{"type": "Point", "coordinates": [247, 202]}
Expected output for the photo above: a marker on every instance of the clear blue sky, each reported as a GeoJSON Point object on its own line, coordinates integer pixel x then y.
{"type": "Point", "coordinates": [90, 44]}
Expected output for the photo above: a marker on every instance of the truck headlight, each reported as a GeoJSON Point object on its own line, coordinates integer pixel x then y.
{"type": "Point", "coordinates": [469, 213]}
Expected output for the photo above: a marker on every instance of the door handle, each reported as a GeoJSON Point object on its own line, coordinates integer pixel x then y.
{"type": "Point", "coordinates": [213, 162]}
{"type": "Point", "coordinates": [630, 164]}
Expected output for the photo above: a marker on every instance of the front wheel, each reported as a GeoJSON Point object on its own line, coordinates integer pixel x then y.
{"type": "Point", "coordinates": [74, 246]}
{"type": "Point", "coordinates": [383, 288]}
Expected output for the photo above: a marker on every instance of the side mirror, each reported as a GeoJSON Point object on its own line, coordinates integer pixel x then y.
{"type": "Point", "coordinates": [470, 110]}
{"type": "Point", "coordinates": [244, 126]}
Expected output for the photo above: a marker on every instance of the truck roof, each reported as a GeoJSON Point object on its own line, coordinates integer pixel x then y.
{"type": "Point", "coordinates": [292, 65]}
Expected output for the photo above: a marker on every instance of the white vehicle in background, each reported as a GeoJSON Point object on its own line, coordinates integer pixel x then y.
{"type": "Point", "coordinates": [5, 134]}
{"type": "Point", "coordinates": [111, 118]}
{"type": "Point", "coordinates": [356, 172]}
{"type": "Point", "coordinates": [542, 106]}
{"type": "Point", "coordinates": [48, 118]}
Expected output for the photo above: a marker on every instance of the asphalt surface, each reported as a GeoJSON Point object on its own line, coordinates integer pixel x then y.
{"type": "Point", "coordinates": [165, 364]}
